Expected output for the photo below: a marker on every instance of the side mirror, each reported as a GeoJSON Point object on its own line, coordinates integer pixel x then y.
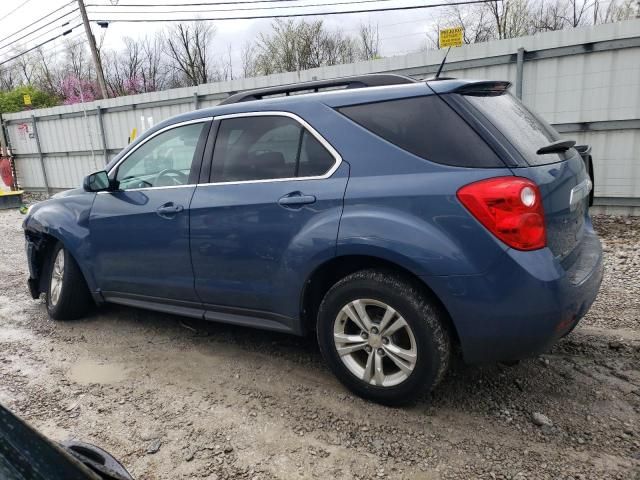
{"type": "Point", "coordinates": [97, 182]}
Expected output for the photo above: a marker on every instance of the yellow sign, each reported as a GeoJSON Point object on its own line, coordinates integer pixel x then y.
{"type": "Point", "coordinates": [451, 37]}
{"type": "Point", "coordinates": [27, 99]}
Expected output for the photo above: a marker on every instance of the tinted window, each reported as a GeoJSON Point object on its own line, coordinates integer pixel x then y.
{"type": "Point", "coordinates": [427, 127]}
{"type": "Point", "coordinates": [267, 147]}
{"type": "Point", "coordinates": [165, 160]}
{"type": "Point", "coordinates": [524, 129]}
{"type": "Point", "coordinates": [315, 160]}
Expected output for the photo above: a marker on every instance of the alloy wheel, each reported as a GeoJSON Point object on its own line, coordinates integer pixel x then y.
{"type": "Point", "coordinates": [375, 342]}
{"type": "Point", "coordinates": [57, 275]}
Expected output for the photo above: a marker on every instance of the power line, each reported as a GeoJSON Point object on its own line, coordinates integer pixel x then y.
{"type": "Point", "coordinates": [56, 49]}
{"type": "Point", "coordinates": [15, 9]}
{"type": "Point", "coordinates": [193, 4]}
{"type": "Point", "coordinates": [40, 19]}
{"type": "Point", "coordinates": [308, 14]}
{"type": "Point", "coordinates": [36, 47]}
{"type": "Point", "coordinates": [41, 35]}
{"type": "Point", "coordinates": [351, 2]}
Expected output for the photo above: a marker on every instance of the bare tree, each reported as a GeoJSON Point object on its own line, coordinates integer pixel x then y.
{"type": "Point", "coordinates": [122, 68]}
{"type": "Point", "coordinates": [226, 71]}
{"type": "Point", "coordinates": [549, 15]}
{"type": "Point", "coordinates": [27, 65]}
{"type": "Point", "coordinates": [9, 77]}
{"type": "Point", "coordinates": [49, 75]}
{"type": "Point", "coordinates": [615, 11]}
{"type": "Point", "coordinates": [292, 46]}
{"type": "Point", "coordinates": [248, 60]}
{"type": "Point", "coordinates": [510, 18]}
{"type": "Point", "coordinates": [369, 42]}
{"type": "Point", "coordinates": [578, 12]}
{"type": "Point", "coordinates": [187, 45]}
{"type": "Point", "coordinates": [77, 61]}
{"type": "Point", "coordinates": [153, 68]}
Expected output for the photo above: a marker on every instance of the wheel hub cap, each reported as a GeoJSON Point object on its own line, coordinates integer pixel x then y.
{"type": "Point", "coordinates": [375, 342]}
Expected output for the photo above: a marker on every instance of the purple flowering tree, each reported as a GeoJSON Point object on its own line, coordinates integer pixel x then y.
{"type": "Point", "coordinates": [76, 90]}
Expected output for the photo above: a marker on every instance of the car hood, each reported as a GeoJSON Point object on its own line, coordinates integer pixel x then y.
{"type": "Point", "coordinates": [67, 193]}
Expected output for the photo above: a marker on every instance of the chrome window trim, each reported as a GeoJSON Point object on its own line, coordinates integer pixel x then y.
{"type": "Point", "coordinates": [151, 188]}
{"type": "Point", "coordinates": [162, 130]}
{"type": "Point", "coordinates": [276, 113]}
{"type": "Point", "coordinates": [272, 113]}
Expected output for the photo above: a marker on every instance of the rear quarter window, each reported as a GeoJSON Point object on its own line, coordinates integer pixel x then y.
{"type": "Point", "coordinates": [427, 127]}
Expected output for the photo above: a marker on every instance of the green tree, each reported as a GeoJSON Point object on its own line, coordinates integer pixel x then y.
{"type": "Point", "coordinates": [13, 100]}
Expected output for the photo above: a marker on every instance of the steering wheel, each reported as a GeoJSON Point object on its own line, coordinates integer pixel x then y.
{"type": "Point", "coordinates": [174, 177]}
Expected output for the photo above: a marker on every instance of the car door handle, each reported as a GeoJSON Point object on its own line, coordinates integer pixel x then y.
{"type": "Point", "coordinates": [169, 209]}
{"type": "Point", "coordinates": [296, 199]}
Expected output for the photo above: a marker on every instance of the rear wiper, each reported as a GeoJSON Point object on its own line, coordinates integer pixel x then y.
{"type": "Point", "coordinates": [556, 147]}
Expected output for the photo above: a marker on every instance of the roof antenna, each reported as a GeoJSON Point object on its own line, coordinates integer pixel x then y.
{"type": "Point", "coordinates": [442, 64]}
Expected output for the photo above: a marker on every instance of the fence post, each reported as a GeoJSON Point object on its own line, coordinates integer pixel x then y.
{"type": "Point", "coordinates": [4, 151]}
{"type": "Point", "coordinates": [102, 135]}
{"type": "Point", "coordinates": [196, 101]}
{"type": "Point", "coordinates": [44, 172]}
{"type": "Point", "coordinates": [519, 72]}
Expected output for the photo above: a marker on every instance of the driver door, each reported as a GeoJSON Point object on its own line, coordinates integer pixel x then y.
{"type": "Point", "coordinates": [140, 233]}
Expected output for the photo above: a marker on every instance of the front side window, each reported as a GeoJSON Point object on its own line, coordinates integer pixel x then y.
{"type": "Point", "coordinates": [163, 161]}
{"type": "Point", "coordinates": [266, 148]}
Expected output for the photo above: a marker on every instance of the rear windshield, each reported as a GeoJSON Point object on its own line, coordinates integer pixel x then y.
{"type": "Point", "coordinates": [427, 127]}
{"type": "Point", "coordinates": [526, 131]}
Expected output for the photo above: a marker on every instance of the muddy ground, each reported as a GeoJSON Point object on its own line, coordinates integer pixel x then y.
{"type": "Point", "coordinates": [177, 399]}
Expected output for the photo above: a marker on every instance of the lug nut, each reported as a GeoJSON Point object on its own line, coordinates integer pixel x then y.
{"type": "Point", "coordinates": [367, 349]}
{"type": "Point", "coordinates": [385, 341]}
{"type": "Point", "coordinates": [374, 330]}
{"type": "Point", "coordinates": [364, 335]}
{"type": "Point", "coordinates": [381, 352]}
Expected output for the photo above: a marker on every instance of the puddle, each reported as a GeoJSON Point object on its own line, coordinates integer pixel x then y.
{"type": "Point", "coordinates": [87, 371]}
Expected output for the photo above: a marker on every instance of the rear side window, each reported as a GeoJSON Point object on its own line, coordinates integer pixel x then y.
{"type": "Point", "coordinates": [525, 130]}
{"type": "Point", "coordinates": [315, 160]}
{"type": "Point", "coordinates": [267, 148]}
{"type": "Point", "coordinates": [426, 127]}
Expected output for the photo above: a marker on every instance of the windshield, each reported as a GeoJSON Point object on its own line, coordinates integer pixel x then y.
{"type": "Point", "coordinates": [526, 131]}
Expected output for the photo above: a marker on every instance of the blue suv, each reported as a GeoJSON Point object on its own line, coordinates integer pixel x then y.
{"type": "Point", "coordinates": [398, 220]}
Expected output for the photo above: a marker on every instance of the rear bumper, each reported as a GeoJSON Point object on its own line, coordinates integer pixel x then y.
{"type": "Point", "coordinates": [524, 304]}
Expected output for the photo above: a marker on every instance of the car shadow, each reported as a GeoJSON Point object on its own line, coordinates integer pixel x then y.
{"type": "Point", "coordinates": [531, 383]}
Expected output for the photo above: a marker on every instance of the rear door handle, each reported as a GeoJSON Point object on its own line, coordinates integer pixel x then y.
{"type": "Point", "coordinates": [169, 209]}
{"type": "Point", "coordinates": [296, 199]}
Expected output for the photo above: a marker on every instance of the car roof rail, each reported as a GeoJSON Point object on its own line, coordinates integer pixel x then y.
{"type": "Point", "coordinates": [359, 81]}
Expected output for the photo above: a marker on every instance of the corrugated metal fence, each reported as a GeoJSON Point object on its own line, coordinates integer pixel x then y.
{"type": "Point", "coordinates": [585, 81]}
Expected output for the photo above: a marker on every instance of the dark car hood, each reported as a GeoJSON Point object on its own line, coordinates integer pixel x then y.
{"type": "Point", "coordinates": [67, 193]}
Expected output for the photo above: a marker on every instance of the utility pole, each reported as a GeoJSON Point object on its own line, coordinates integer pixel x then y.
{"type": "Point", "coordinates": [94, 50]}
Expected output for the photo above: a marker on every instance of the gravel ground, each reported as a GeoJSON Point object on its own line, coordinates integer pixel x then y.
{"type": "Point", "coordinates": [178, 399]}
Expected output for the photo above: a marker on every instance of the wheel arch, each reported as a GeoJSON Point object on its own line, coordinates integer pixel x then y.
{"type": "Point", "coordinates": [45, 239]}
{"type": "Point", "coordinates": [328, 273]}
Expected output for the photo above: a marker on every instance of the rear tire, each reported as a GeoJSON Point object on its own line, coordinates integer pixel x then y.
{"type": "Point", "coordinates": [67, 296]}
{"type": "Point", "coordinates": [391, 337]}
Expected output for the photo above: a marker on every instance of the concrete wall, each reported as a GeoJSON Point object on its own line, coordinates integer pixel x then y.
{"type": "Point", "coordinates": [585, 81]}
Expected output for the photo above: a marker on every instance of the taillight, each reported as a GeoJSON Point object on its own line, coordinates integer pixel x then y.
{"type": "Point", "coordinates": [510, 208]}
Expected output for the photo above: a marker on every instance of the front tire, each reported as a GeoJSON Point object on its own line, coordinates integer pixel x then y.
{"type": "Point", "coordinates": [68, 297]}
{"type": "Point", "coordinates": [383, 337]}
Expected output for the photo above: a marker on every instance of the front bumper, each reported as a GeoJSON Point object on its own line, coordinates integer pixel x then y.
{"type": "Point", "coordinates": [524, 304]}
{"type": "Point", "coordinates": [33, 247]}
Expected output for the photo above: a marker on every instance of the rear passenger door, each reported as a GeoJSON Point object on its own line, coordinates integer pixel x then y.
{"type": "Point", "coordinates": [269, 212]}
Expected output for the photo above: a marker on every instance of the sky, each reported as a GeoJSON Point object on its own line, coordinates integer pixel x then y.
{"type": "Point", "coordinates": [400, 31]}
